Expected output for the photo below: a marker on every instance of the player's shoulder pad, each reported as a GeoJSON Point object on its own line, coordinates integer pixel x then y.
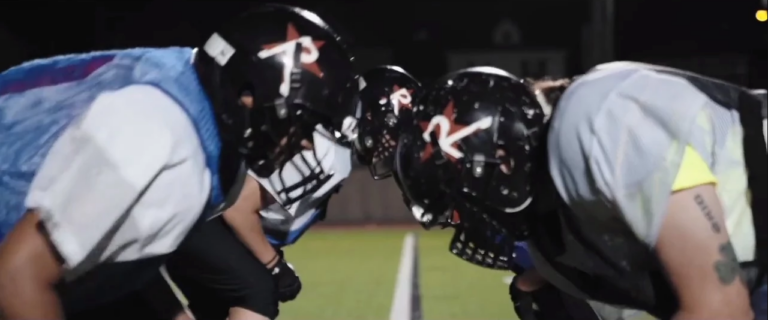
{"type": "Point", "coordinates": [133, 128]}
{"type": "Point", "coordinates": [616, 124]}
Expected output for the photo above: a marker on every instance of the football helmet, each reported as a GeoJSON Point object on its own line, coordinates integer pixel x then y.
{"type": "Point", "coordinates": [387, 97]}
{"type": "Point", "coordinates": [298, 78]}
{"type": "Point", "coordinates": [469, 157]}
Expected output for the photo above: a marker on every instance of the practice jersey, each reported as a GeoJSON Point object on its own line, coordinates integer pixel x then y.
{"type": "Point", "coordinates": [623, 138]}
{"type": "Point", "coordinates": [127, 160]}
{"type": "Point", "coordinates": [111, 148]}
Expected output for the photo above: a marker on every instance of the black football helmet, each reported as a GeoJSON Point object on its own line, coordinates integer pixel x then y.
{"type": "Point", "coordinates": [387, 97]}
{"type": "Point", "coordinates": [301, 80]}
{"type": "Point", "coordinates": [471, 159]}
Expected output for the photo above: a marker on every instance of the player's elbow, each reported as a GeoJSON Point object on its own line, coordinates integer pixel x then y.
{"type": "Point", "coordinates": [27, 258]}
{"type": "Point", "coordinates": [699, 259]}
{"type": "Point", "coordinates": [717, 305]}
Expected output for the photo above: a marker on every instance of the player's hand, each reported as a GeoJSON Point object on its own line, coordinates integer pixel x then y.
{"type": "Point", "coordinates": [287, 282]}
{"type": "Point", "coordinates": [522, 302]}
{"type": "Point", "coordinates": [549, 303]}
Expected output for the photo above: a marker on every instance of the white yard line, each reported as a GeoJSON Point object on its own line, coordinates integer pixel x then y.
{"type": "Point", "coordinates": [180, 296]}
{"type": "Point", "coordinates": [401, 302]}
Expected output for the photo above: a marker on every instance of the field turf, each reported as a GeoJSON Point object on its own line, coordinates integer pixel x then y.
{"type": "Point", "coordinates": [350, 275]}
{"type": "Point", "coordinates": [346, 275]}
{"type": "Point", "coordinates": [453, 289]}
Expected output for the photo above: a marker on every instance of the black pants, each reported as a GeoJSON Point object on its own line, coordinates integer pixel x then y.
{"type": "Point", "coordinates": [112, 291]}
{"type": "Point", "coordinates": [552, 303]}
{"type": "Point", "coordinates": [556, 304]}
{"type": "Point", "coordinates": [213, 269]}
{"type": "Point", "coordinates": [216, 271]}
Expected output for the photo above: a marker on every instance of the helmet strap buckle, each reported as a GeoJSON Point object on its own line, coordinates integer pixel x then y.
{"type": "Point", "coordinates": [478, 165]}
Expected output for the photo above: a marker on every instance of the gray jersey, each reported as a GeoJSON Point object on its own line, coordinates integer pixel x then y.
{"type": "Point", "coordinates": [618, 139]}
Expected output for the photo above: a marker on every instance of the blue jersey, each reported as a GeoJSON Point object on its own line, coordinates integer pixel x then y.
{"type": "Point", "coordinates": [41, 98]}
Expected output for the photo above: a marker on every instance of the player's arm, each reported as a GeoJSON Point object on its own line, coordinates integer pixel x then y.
{"type": "Point", "coordinates": [243, 217]}
{"type": "Point", "coordinates": [84, 191]}
{"type": "Point", "coordinates": [29, 268]}
{"type": "Point", "coordinates": [695, 249]}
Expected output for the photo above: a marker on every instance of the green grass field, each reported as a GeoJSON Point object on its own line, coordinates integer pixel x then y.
{"type": "Point", "coordinates": [345, 275]}
{"type": "Point", "coordinates": [453, 289]}
{"type": "Point", "coordinates": [350, 275]}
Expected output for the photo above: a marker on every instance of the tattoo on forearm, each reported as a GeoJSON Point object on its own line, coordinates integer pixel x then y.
{"type": "Point", "coordinates": [707, 213]}
{"type": "Point", "coordinates": [727, 268]}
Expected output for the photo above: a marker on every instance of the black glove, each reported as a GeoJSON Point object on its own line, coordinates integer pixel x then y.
{"type": "Point", "coordinates": [523, 302]}
{"type": "Point", "coordinates": [549, 303]}
{"type": "Point", "coordinates": [287, 282]}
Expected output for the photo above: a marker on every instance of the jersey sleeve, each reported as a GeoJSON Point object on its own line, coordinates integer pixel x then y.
{"type": "Point", "coordinates": [98, 191]}
{"type": "Point", "coordinates": [618, 145]}
{"type": "Point", "coordinates": [694, 171]}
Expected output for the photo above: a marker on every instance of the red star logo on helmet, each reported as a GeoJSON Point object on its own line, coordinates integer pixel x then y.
{"type": "Point", "coordinates": [400, 98]}
{"type": "Point", "coordinates": [293, 35]}
{"type": "Point", "coordinates": [449, 114]}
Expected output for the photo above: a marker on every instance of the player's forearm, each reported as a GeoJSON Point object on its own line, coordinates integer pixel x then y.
{"type": "Point", "coordinates": [27, 293]}
{"type": "Point", "coordinates": [723, 313]}
{"type": "Point", "coordinates": [530, 280]}
{"type": "Point", "coordinates": [23, 300]}
{"type": "Point", "coordinates": [29, 269]}
{"type": "Point", "coordinates": [248, 228]}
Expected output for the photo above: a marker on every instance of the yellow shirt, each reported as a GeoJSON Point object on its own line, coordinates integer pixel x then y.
{"type": "Point", "coordinates": [693, 172]}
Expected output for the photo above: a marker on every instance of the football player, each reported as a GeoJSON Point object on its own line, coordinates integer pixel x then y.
{"type": "Point", "coordinates": [634, 185]}
{"type": "Point", "coordinates": [109, 159]}
{"type": "Point", "coordinates": [387, 99]}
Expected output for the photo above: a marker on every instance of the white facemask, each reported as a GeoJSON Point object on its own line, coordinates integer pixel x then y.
{"type": "Point", "coordinates": [335, 160]}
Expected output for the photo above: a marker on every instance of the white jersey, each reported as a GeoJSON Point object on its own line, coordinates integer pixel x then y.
{"type": "Point", "coordinates": [125, 181]}
{"type": "Point", "coordinates": [286, 223]}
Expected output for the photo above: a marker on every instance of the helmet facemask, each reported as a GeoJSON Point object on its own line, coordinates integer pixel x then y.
{"type": "Point", "coordinates": [378, 135]}
{"type": "Point", "coordinates": [307, 171]}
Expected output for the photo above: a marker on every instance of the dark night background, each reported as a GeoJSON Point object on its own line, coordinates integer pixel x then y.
{"type": "Point", "coordinates": [720, 38]}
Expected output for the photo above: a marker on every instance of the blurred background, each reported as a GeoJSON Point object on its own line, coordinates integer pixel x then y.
{"type": "Point", "coordinates": [530, 38]}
